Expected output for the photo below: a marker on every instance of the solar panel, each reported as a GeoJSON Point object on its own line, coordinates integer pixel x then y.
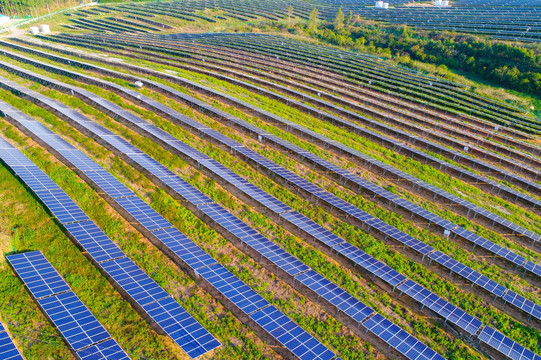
{"type": "Point", "coordinates": [109, 184]}
{"type": "Point", "coordinates": [80, 160]}
{"type": "Point", "coordinates": [35, 179]}
{"type": "Point", "coordinates": [291, 335]}
{"type": "Point", "coordinates": [181, 327]}
{"type": "Point", "coordinates": [505, 346]}
{"type": "Point", "coordinates": [62, 207]}
{"type": "Point", "coordinates": [227, 220]}
{"type": "Point", "coordinates": [335, 295]}
{"type": "Point", "coordinates": [187, 191]}
{"type": "Point", "coordinates": [37, 274]}
{"type": "Point", "coordinates": [143, 213]}
{"type": "Point", "coordinates": [522, 303]}
{"type": "Point", "coordinates": [399, 339]}
{"type": "Point", "coordinates": [312, 228]}
{"type": "Point", "coordinates": [151, 165]}
{"type": "Point", "coordinates": [275, 254]}
{"type": "Point", "coordinates": [74, 321]}
{"type": "Point", "coordinates": [263, 198]}
{"type": "Point", "coordinates": [184, 248]}
{"type": "Point", "coordinates": [106, 350]}
{"type": "Point", "coordinates": [14, 158]}
{"type": "Point", "coordinates": [134, 281]}
{"type": "Point", "coordinates": [8, 351]}
{"type": "Point", "coordinates": [233, 288]}
{"type": "Point", "coordinates": [94, 241]}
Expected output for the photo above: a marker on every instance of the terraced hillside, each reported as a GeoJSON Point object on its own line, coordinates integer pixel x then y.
{"type": "Point", "coordinates": [252, 196]}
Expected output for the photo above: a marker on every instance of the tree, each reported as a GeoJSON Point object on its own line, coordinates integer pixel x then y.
{"type": "Point", "coordinates": [350, 18]}
{"type": "Point", "coordinates": [339, 20]}
{"type": "Point", "coordinates": [289, 15]}
{"type": "Point", "coordinates": [313, 20]}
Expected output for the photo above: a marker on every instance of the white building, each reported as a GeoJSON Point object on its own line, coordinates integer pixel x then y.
{"type": "Point", "coordinates": [4, 20]}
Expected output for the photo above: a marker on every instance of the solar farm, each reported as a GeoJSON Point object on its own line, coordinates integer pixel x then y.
{"type": "Point", "coordinates": [174, 187]}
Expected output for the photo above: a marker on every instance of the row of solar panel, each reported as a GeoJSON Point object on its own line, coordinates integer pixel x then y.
{"type": "Point", "coordinates": [137, 284]}
{"type": "Point", "coordinates": [81, 330]}
{"type": "Point", "coordinates": [234, 226]}
{"type": "Point", "coordinates": [8, 351]}
{"type": "Point", "coordinates": [142, 289]}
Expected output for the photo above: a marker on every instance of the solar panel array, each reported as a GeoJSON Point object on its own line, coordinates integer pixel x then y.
{"type": "Point", "coordinates": [386, 274]}
{"type": "Point", "coordinates": [8, 351]}
{"type": "Point", "coordinates": [240, 231]}
{"type": "Point", "coordinates": [164, 310]}
{"type": "Point", "coordinates": [80, 329]}
{"type": "Point", "coordinates": [452, 201]}
{"type": "Point", "coordinates": [188, 51]}
{"type": "Point", "coordinates": [232, 225]}
{"type": "Point", "coordinates": [176, 323]}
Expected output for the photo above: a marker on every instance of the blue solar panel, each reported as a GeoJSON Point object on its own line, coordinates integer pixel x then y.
{"type": "Point", "coordinates": [443, 308]}
{"type": "Point", "coordinates": [233, 288]}
{"type": "Point", "coordinates": [187, 191]}
{"type": "Point", "coordinates": [62, 207]}
{"type": "Point", "coordinates": [263, 198]}
{"type": "Point", "coordinates": [181, 327]}
{"type": "Point", "coordinates": [38, 274]}
{"type": "Point", "coordinates": [151, 165]}
{"type": "Point", "coordinates": [397, 338]}
{"type": "Point", "coordinates": [14, 158]}
{"type": "Point", "coordinates": [184, 248]}
{"type": "Point", "coordinates": [522, 303]}
{"type": "Point", "coordinates": [106, 350]}
{"type": "Point", "coordinates": [143, 213]}
{"type": "Point", "coordinates": [94, 241]}
{"type": "Point", "coordinates": [80, 160]}
{"type": "Point", "coordinates": [292, 336]}
{"type": "Point", "coordinates": [506, 346]}
{"type": "Point", "coordinates": [8, 351]}
{"type": "Point", "coordinates": [312, 228]}
{"type": "Point", "coordinates": [35, 179]}
{"type": "Point", "coordinates": [74, 321]}
{"type": "Point", "coordinates": [335, 295]}
{"type": "Point", "coordinates": [134, 281]}
{"type": "Point", "coordinates": [227, 220]}
{"type": "Point", "coordinates": [109, 184]}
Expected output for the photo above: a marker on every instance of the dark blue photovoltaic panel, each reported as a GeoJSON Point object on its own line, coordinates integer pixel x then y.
{"type": "Point", "coordinates": [94, 241]}
{"type": "Point", "coordinates": [151, 165]}
{"type": "Point", "coordinates": [62, 207]}
{"type": "Point", "coordinates": [312, 228]}
{"type": "Point", "coordinates": [233, 288]}
{"type": "Point", "coordinates": [291, 335]}
{"type": "Point", "coordinates": [264, 198]}
{"type": "Point", "coordinates": [275, 254]}
{"type": "Point", "coordinates": [106, 350]}
{"type": "Point", "coordinates": [184, 248]}
{"type": "Point", "coordinates": [187, 191]}
{"type": "Point", "coordinates": [506, 346]}
{"type": "Point", "coordinates": [143, 213]}
{"type": "Point", "coordinates": [74, 321]}
{"type": "Point", "coordinates": [227, 220]}
{"type": "Point", "coordinates": [38, 274]}
{"type": "Point", "coordinates": [522, 303]}
{"type": "Point", "coordinates": [109, 184]}
{"type": "Point", "coordinates": [14, 158]}
{"type": "Point", "coordinates": [445, 309]}
{"type": "Point", "coordinates": [397, 338]}
{"type": "Point", "coordinates": [80, 160]}
{"type": "Point", "coordinates": [8, 351]}
{"type": "Point", "coordinates": [35, 180]}
{"type": "Point", "coordinates": [335, 295]}
{"type": "Point", "coordinates": [181, 327]}
{"type": "Point", "coordinates": [134, 281]}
